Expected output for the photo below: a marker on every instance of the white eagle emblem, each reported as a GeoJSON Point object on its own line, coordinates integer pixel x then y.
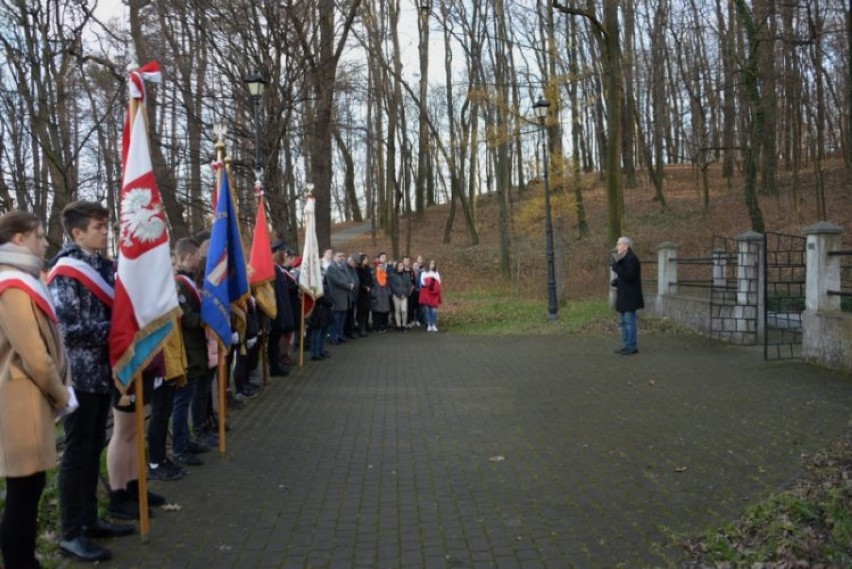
{"type": "Point", "coordinates": [140, 220]}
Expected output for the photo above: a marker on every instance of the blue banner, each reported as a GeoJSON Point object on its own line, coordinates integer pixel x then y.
{"type": "Point", "coordinates": [225, 275]}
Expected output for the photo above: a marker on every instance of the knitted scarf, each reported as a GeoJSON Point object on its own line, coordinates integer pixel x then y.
{"type": "Point", "coordinates": [20, 258]}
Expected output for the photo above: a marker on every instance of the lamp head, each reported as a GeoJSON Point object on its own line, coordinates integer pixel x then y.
{"type": "Point", "coordinates": [255, 83]}
{"type": "Point", "coordinates": [540, 108]}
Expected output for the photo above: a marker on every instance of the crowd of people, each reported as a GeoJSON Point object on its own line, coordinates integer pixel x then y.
{"type": "Point", "coordinates": [54, 331]}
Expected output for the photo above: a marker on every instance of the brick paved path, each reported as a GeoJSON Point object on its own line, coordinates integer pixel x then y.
{"type": "Point", "coordinates": [438, 450]}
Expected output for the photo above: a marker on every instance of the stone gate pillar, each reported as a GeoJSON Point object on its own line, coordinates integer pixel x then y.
{"type": "Point", "coordinates": [823, 271]}
{"type": "Point", "coordinates": [666, 268]}
{"type": "Point", "coordinates": [749, 307]}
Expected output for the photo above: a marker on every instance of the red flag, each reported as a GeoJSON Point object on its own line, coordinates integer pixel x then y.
{"type": "Point", "coordinates": [261, 265]}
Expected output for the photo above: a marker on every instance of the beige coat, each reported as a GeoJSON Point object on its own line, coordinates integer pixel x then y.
{"type": "Point", "coordinates": [33, 375]}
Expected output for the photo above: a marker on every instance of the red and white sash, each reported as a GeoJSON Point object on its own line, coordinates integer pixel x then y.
{"type": "Point", "coordinates": [86, 275]}
{"type": "Point", "coordinates": [190, 284]}
{"type": "Point", "coordinates": [30, 285]}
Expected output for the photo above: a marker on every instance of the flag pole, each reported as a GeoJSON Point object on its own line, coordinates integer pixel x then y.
{"type": "Point", "coordinates": [223, 396]}
{"type": "Point", "coordinates": [221, 365]}
{"type": "Point", "coordinates": [139, 407]}
{"type": "Point", "coordinates": [142, 471]}
{"type": "Point", "coordinates": [302, 334]}
{"type": "Point", "coordinates": [264, 341]}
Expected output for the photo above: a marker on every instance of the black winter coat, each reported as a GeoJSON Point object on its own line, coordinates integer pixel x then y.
{"type": "Point", "coordinates": [628, 283]}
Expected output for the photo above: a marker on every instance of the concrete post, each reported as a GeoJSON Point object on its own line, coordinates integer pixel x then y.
{"type": "Point", "coordinates": [750, 301]}
{"type": "Point", "coordinates": [823, 271]}
{"type": "Point", "coordinates": [666, 268]}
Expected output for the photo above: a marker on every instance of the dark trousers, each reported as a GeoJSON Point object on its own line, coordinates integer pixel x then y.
{"type": "Point", "coordinates": [202, 400]}
{"type": "Point", "coordinates": [413, 308]}
{"type": "Point", "coordinates": [273, 350]}
{"type": "Point", "coordinates": [180, 415]}
{"type": "Point", "coordinates": [162, 399]}
{"type": "Point", "coordinates": [244, 364]}
{"type": "Point", "coordinates": [362, 314]}
{"type": "Point", "coordinates": [19, 526]}
{"type": "Point", "coordinates": [336, 332]}
{"type": "Point", "coordinates": [380, 321]}
{"type": "Point", "coordinates": [85, 438]}
{"type": "Point", "coordinates": [318, 341]}
{"type": "Point", "coordinates": [349, 323]}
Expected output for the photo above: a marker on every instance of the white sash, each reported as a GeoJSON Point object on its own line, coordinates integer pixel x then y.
{"type": "Point", "coordinates": [32, 286]}
{"type": "Point", "coordinates": [86, 275]}
{"type": "Point", "coordinates": [191, 284]}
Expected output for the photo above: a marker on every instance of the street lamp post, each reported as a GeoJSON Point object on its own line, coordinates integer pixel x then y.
{"type": "Point", "coordinates": [256, 83]}
{"type": "Point", "coordinates": [541, 108]}
{"type": "Point", "coordinates": [423, 149]}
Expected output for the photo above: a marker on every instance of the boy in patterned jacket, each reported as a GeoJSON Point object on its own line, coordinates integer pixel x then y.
{"type": "Point", "coordinates": [81, 283]}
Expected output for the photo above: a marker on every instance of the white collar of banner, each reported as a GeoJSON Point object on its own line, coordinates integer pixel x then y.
{"type": "Point", "coordinates": [191, 284]}
{"type": "Point", "coordinates": [86, 275]}
{"type": "Point", "coordinates": [32, 286]}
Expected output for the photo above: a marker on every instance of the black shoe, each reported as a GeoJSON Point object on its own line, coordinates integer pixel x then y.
{"type": "Point", "coordinates": [627, 352]}
{"type": "Point", "coordinates": [209, 438]}
{"type": "Point", "coordinates": [278, 372]}
{"type": "Point", "coordinates": [102, 528]}
{"type": "Point", "coordinates": [83, 550]}
{"type": "Point", "coordinates": [166, 471]}
{"type": "Point", "coordinates": [196, 447]}
{"type": "Point", "coordinates": [154, 500]}
{"type": "Point", "coordinates": [618, 350]}
{"type": "Point", "coordinates": [188, 459]}
{"type": "Point", "coordinates": [317, 358]}
{"type": "Point", "coordinates": [123, 506]}
{"type": "Point", "coordinates": [326, 354]}
{"type": "Point", "coordinates": [246, 393]}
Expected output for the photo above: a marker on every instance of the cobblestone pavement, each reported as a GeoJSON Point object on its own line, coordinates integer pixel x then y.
{"type": "Point", "coordinates": [424, 450]}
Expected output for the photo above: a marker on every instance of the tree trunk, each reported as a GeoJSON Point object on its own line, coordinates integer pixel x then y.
{"type": "Point", "coordinates": [348, 177]}
{"type": "Point", "coordinates": [614, 191]}
{"type": "Point", "coordinates": [751, 86]}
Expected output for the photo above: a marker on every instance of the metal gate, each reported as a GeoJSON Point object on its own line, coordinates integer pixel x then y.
{"type": "Point", "coordinates": [733, 294]}
{"type": "Point", "coordinates": [784, 293]}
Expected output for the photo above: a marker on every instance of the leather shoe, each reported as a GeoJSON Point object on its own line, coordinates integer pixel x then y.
{"type": "Point", "coordinates": [84, 550]}
{"type": "Point", "coordinates": [629, 352]}
{"type": "Point", "coordinates": [102, 528]}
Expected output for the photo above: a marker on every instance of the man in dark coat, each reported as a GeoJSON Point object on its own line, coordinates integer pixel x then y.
{"type": "Point", "coordinates": [341, 285]}
{"type": "Point", "coordinates": [629, 299]}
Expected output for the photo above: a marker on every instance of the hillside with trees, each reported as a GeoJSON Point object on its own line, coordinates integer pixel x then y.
{"type": "Point", "coordinates": [391, 107]}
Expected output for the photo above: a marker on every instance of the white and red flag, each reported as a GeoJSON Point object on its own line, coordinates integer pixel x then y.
{"type": "Point", "coordinates": [145, 305]}
{"type": "Point", "coordinates": [310, 274]}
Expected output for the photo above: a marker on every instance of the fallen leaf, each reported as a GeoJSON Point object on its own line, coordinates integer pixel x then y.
{"type": "Point", "coordinates": [497, 458]}
{"type": "Point", "coordinates": [681, 469]}
{"type": "Point", "coordinates": [171, 507]}
{"type": "Point", "coordinates": [652, 383]}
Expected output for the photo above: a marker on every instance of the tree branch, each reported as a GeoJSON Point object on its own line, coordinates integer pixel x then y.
{"type": "Point", "coordinates": [597, 27]}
